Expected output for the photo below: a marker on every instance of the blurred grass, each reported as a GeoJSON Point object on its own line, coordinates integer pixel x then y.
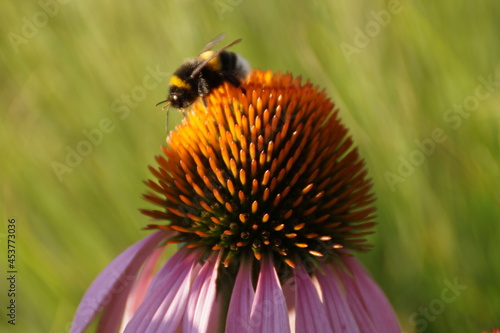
{"type": "Point", "coordinates": [440, 223]}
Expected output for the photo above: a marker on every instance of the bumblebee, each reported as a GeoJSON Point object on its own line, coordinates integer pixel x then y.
{"type": "Point", "coordinates": [198, 77]}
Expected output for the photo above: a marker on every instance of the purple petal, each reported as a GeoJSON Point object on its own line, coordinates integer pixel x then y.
{"type": "Point", "coordinates": [141, 286]}
{"type": "Point", "coordinates": [201, 304]}
{"type": "Point", "coordinates": [114, 315]}
{"type": "Point", "coordinates": [238, 316]}
{"type": "Point", "coordinates": [269, 311]}
{"type": "Point", "coordinates": [115, 280]}
{"type": "Point", "coordinates": [374, 301]}
{"type": "Point", "coordinates": [339, 314]}
{"type": "Point", "coordinates": [165, 302]}
{"type": "Point", "coordinates": [310, 313]}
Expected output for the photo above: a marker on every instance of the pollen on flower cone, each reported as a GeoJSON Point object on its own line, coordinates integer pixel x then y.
{"type": "Point", "coordinates": [267, 167]}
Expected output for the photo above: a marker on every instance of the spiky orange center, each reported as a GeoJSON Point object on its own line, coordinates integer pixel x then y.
{"type": "Point", "coordinates": [266, 168]}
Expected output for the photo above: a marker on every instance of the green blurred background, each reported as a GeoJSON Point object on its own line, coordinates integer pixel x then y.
{"type": "Point", "coordinates": [411, 80]}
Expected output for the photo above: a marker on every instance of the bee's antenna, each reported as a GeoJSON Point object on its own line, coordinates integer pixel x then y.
{"type": "Point", "coordinates": [167, 107]}
{"type": "Point", "coordinates": [161, 102]}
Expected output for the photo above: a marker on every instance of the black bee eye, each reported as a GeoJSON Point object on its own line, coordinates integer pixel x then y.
{"type": "Point", "coordinates": [175, 97]}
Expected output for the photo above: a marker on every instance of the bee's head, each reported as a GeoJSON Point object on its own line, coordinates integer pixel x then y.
{"type": "Point", "coordinates": [181, 96]}
{"type": "Point", "coordinates": [178, 97]}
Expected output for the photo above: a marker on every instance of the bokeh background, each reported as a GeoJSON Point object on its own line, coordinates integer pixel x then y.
{"type": "Point", "coordinates": [417, 82]}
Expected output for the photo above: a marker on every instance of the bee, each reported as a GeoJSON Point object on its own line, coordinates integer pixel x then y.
{"type": "Point", "coordinates": [198, 77]}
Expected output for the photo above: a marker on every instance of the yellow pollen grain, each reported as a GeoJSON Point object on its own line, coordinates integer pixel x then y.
{"type": "Point", "coordinates": [241, 196]}
{"type": "Point", "coordinates": [308, 188]}
{"type": "Point", "coordinates": [258, 123]}
{"type": "Point", "coordinates": [225, 155]}
{"type": "Point", "coordinates": [206, 207]}
{"type": "Point", "coordinates": [230, 186]}
{"type": "Point", "coordinates": [255, 186]}
{"type": "Point", "coordinates": [218, 196]}
{"type": "Point", "coordinates": [243, 177]}
{"type": "Point", "coordinates": [233, 167]}
{"type": "Point", "coordinates": [322, 219]}
{"type": "Point", "coordinates": [301, 245]}
{"type": "Point", "coordinates": [265, 218]}
{"type": "Point", "coordinates": [299, 226]}
{"type": "Point", "coordinates": [180, 229]}
{"type": "Point", "coordinates": [242, 217]}
{"type": "Point", "coordinates": [262, 159]}
{"type": "Point", "coordinates": [216, 220]}
{"type": "Point", "coordinates": [325, 238]}
{"type": "Point", "coordinates": [286, 191]}
{"type": "Point", "coordinates": [176, 212]}
{"type": "Point", "coordinates": [186, 200]}
{"type": "Point", "coordinates": [253, 168]}
{"type": "Point", "coordinates": [243, 157]}
{"type": "Point", "coordinates": [270, 149]}
{"type": "Point", "coordinates": [252, 150]}
{"type": "Point", "coordinates": [310, 211]}
{"type": "Point", "coordinates": [194, 217]}
{"type": "Point", "coordinates": [316, 253]}
{"type": "Point", "coordinates": [298, 201]}
{"type": "Point", "coordinates": [234, 151]}
{"type": "Point", "coordinates": [229, 207]}
{"type": "Point", "coordinates": [277, 200]}
{"type": "Point", "coordinates": [178, 82]}
{"type": "Point", "coordinates": [265, 195]}
{"type": "Point", "coordinates": [279, 227]}
{"type": "Point", "coordinates": [337, 246]}
{"type": "Point", "coordinates": [255, 206]}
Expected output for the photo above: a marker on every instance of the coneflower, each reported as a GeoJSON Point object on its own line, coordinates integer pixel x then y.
{"type": "Point", "coordinates": [267, 198]}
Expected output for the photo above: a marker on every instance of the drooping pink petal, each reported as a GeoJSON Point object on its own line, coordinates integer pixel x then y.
{"type": "Point", "coordinates": [339, 314]}
{"type": "Point", "coordinates": [310, 313]}
{"type": "Point", "coordinates": [238, 316]}
{"type": "Point", "coordinates": [115, 279]}
{"type": "Point", "coordinates": [289, 292]}
{"type": "Point", "coordinates": [165, 302]}
{"type": "Point", "coordinates": [141, 286]}
{"type": "Point", "coordinates": [269, 312]}
{"type": "Point", "coordinates": [114, 314]}
{"type": "Point", "coordinates": [355, 302]}
{"type": "Point", "coordinates": [201, 303]}
{"type": "Point", "coordinates": [374, 301]}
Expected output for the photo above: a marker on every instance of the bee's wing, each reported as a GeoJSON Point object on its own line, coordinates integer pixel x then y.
{"type": "Point", "coordinates": [212, 43]}
{"type": "Point", "coordinates": [216, 54]}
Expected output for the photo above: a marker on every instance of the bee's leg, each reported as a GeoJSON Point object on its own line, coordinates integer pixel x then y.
{"type": "Point", "coordinates": [203, 90]}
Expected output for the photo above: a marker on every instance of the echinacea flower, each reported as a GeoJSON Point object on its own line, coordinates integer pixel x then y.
{"type": "Point", "coordinates": [267, 199]}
